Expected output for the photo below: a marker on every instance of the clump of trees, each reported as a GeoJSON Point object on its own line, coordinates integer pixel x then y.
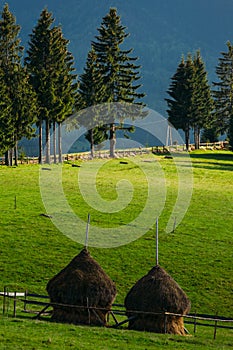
{"type": "Point", "coordinates": [51, 69]}
{"type": "Point", "coordinates": [190, 105]}
{"type": "Point", "coordinates": [40, 88]}
{"type": "Point", "coordinates": [196, 105]}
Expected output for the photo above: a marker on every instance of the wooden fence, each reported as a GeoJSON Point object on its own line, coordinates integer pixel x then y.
{"type": "Point", "coordinates": [27, 300]}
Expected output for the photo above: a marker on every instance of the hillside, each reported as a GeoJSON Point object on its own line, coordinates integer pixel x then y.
{"type": "Point", "coordinates": [161, 31]}
{"type": "Point", "coordinates": [198, 255]}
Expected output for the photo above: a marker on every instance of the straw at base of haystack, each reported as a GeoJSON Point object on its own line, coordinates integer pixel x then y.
{"type": "Point", "coordinates": [82, 283]}
{"type": "Point", "coordinates": [153, 294]}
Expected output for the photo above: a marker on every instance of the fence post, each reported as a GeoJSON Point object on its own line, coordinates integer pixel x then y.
{"type": "Point", "coordinates": [25, 301]}
{"type": "Point", "coordinates": [215, 327]}
{"type": "Point", "coordinates": [4, 302]}
{"type": "Point", "coordinates": [195, 323]}
{"type": "Point", "coordinates": [14, 310]}
{"type": "Point", "coordinates": [165, 322]}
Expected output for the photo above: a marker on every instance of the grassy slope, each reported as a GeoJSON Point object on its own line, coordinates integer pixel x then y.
{"type": "Point", "coordinates": [25, 335]}
{"type": "Point", "coordinates": [198, 255]}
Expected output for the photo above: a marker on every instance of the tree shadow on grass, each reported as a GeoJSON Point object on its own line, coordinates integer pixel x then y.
{"type": "Point", "coordinates": [218, 161]}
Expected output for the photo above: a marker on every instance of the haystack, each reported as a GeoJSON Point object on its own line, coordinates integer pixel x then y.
{"type": "Point", "coordinates": [82, 283]}
{"type": "Point", "coordinates": [155, 293]}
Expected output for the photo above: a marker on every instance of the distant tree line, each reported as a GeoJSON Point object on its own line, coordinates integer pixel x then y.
{"type": "Point", "coordinates": [39, 90]}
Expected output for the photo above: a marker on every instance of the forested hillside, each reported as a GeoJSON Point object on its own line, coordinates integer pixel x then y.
{"type": "Point", "coordinates": [160, 32]}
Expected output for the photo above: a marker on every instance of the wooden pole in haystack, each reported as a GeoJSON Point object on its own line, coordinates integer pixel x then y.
{"type": "Point", "coordinates": [157, 241]}
{"type": "Point", "coordinates": [87, 230]}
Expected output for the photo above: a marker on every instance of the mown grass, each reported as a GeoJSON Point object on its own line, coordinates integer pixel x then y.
{"type": "Point", "coordinates": [198, 254]}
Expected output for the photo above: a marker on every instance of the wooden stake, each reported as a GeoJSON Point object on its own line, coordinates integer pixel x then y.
{"type": "Point", "coordinates": [87, 230]}
{"type": "Point", "coordinates": [157, 241]}
{"type": "Point", "coordinates": [4, 302]}
{"type": "Point", "coordinates": [215, 327]}
{"type": "Point", "coordinates": [195, 324]}
{"type": "Point", "coordinates": [14, 310]}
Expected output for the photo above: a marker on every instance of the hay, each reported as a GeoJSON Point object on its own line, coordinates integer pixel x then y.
{"type": "Point", "coordinates": [157, 292]}
{"type": "Point", "coordinates": [81, 283]}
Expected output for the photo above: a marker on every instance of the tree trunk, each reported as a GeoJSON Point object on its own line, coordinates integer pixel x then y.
{"type": "Point", "coordinates": [230, 133]}
{"type": "Point", "coordinates": [112, 139]}
{"type": "Point", "coordinates": [197, 137]}
{"type": "Point", "coordinates": [16, 153]}
{"type": "Point", "coordinates": [187, 139]}
{"type": "Point", "coordinates": [92, 144]}
{"type": "Point", "coordinates": [59, 143]}
{"type": "Point", "coordinates": [40, 160]}
{"type": "Point", "coordinates": [7, 158]}
{"type": "Point", "coordinates": [11, 157]}
{"type": "Point", "coordinates": [54, 144]}
{"type": "Point", "coordinates": [47, 130]}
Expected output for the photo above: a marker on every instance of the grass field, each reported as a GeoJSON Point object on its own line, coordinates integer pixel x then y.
{"type": "Point", "coordinates": [198, 255]}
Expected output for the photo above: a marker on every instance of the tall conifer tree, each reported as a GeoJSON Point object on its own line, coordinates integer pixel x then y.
{"type": "Point", "coordinates": [118, 70]}
{"type": "Point", "coordinates": [223, 94]}
{"type": "Point", "coordinates": [38, 63]}
{"type": "Point", "coordinates": [6, 127]}
{"type": "Point", "coordinates": [181, 91]}
{"type": "Point", "coordinates": [202, 99]}
{"type": "Point", "coordinates": [23, 112]}
{"type": "Point", "coordinates": [65, 85]}
{"type": "Point", "coordinates": [91, 94]}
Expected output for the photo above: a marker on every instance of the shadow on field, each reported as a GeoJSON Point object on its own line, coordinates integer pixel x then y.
{"type": "Point", "coordinates": [216, 161]}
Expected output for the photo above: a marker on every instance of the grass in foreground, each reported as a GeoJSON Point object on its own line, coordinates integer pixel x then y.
{"type": "Point", "coordinates": [36, 335]}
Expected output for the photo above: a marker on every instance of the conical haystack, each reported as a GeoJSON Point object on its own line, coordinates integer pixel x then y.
{"type": "Point", "coordinates": [81, 283]}
{"type": "Point", "coordinates": [157, 292]}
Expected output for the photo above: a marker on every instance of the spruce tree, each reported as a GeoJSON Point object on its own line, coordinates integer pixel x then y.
{"type": "Point", "coordinates": [117, 67]}
{"type": "Point", "coordinates": [181, 91]}
{"type": "Point", "coordinates": [202, 100]}
{"type": "Point", "coordinates": [51, 65]}
{"type": "Point", "coordinates": [223, 94]}
{"type": "Point", "coordinates": [21, 116]}
{"type": "Point", "coordinates": [65, 85]}
{"type": "Point", "coordinates": [38, 63]}
{"type": "Point", "coordinates": [91, 94]}
{"type": "Point", "coordinates": [24, 108]}
{"type": "Point", "coordinates": [6, 127]}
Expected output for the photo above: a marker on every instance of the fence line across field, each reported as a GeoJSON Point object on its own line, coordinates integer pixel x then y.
{"type": "Point", "coordinates": [117, 309]}
{"type": "Point", "coordinates": [104, 153]}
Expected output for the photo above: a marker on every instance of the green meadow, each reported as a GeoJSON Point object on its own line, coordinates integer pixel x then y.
{"type": "Point", "coordinates": [197, 254]}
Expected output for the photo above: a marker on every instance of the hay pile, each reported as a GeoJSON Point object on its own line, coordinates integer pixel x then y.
{"type": "Point", "coordinates": [82, 282]}
{"type": "Point", "coordinates": [157, 292]}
